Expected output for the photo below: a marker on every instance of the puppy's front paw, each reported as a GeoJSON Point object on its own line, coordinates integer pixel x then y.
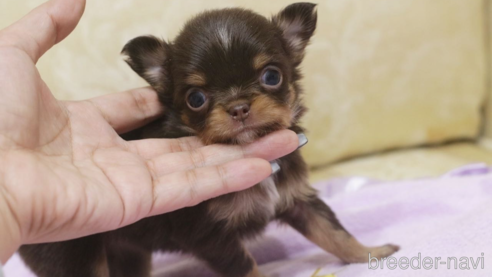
{"type": "Point", "coordinates": [383, 251]}
{"type": "Point", "coordinates": [375, 252]}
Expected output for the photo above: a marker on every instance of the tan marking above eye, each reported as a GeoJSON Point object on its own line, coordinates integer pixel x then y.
{"type": "Point", "coordinates": [196, 79]}
{"type": "Point", "coordinates": [185, 119]}
{"type": "Point", "coordinates": [260, 61]}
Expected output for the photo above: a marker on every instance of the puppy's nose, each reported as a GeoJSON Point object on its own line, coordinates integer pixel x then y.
{"type": "Point", "coordinates": [240, 112]}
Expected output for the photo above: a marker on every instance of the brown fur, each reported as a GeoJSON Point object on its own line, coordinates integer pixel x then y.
{"type": "Point", "coordinates": [268, 114]}
{"type": "Point", "coordinates": [196, 79]}
{"type": "Point", "coordinates": [236, 208]}
{"type": "Point", "coordinates": [231, 48]}
{"type": "Point", "coordinates": [260, 61]}
{"type": "Point", "coordinates": [319, 224]}
{"type": "Point", "coordinates": [255, 272]}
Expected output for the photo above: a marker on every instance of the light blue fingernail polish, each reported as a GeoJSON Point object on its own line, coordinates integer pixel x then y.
{"type": "Point", "coordinates": [275, 167]}
{"type": "Point", "coordinates": [302, 140]}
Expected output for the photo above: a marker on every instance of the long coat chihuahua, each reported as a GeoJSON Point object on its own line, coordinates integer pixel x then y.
{"type": "Point", "coordinates": [231, 76]}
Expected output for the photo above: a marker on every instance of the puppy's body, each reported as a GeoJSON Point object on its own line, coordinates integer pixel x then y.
{"type": "Point", "coordinates": [231, 76]}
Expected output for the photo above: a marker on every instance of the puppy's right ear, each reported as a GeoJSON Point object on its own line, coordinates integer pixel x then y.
{"type": "Point", "coordinates": [149, 57]}
{"type": "Point", "coordinates": [297, 23]}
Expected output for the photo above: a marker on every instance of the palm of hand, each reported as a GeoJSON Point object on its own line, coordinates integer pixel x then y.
{"type": "Point", "coordinates": [64, 145]}
{"type": "Point", "coordinates": [66, 173]}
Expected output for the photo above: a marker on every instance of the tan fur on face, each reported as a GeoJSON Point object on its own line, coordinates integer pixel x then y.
{"type": "Point", "coordinates": [185, 119]}
{"type": "Point", "coordinates": [294, 104]}
{"type": "Point", "coordinates": [196, 79]}
{"type": "Point", "coordinates": [260, 61]}
{"type": "Point", "coordinates": [268, 111]}
{"type": "Point", "coordinates": [291, 98]}
{"type": "Point", "coordinates": [217, 126]}
{"type": "Point", "coordinates": [264, 110]}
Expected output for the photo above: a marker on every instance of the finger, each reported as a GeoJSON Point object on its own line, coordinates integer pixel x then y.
{"type": "Point", "coordinates": [43, 27]}
{"type": "Point", "coordinates": [152, 148]}
{"type": "Point", "coordinates": [188, 188]}
{"type": "Point", "coordinates": [128, 110]}
{"type": "Point", "coordinates": [268, 148]}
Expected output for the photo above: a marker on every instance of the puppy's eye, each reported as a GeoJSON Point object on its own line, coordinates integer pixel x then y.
{"type": "Point", "coordinates": [271, 77]}
{"type": "Point", "coordinates": [196, 99]}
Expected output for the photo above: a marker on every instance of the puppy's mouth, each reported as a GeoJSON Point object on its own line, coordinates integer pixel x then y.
{"type": "Point", "coordinates": [242, 132]}
{"type": "Point", "coordinates": [259, 125]}
{"type": "Point", "coordinates": [265, 116]}
{"type": "Point", "coordinates": [244, 127]}
{"type": "Point", "coordinates": [247, 132]}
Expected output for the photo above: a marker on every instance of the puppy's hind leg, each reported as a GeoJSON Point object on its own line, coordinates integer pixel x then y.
{"type": "Point", "coordinates": [228, 257]}
{"type": "Point", "coordinates": [317, 222]}
{"type": "Point", "coordinates": [83, 257]}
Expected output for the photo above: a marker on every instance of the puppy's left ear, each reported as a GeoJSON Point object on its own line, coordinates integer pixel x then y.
{"type": "Point", "coordinates": [297, 22]}
{"type": "Point", "coordinates": [150, 58]}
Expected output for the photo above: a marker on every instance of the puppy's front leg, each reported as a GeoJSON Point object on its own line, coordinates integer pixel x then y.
{"type": "Point", "coordinates": [228, 257]}
{"type": "Point", "coordinates": [317, 222]}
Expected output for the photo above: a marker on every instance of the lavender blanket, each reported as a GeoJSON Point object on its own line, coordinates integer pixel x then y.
{"type": "Point", "coordinates": [444, 228]}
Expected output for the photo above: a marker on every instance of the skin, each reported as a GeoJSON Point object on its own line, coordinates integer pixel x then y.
{"type": "Point", "coordinates": [65, 172]}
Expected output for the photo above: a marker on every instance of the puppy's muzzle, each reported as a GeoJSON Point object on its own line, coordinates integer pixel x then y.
{"type": "Point", "coordinates": [240, 112]}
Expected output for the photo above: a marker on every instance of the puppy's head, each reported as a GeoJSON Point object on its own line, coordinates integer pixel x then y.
{"type": "Point", "coordinates": [230, 75]}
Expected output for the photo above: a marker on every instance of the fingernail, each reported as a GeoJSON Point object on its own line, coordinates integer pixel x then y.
{"type": "Point", "coordinates": [275, 167]}
{"type": "Point", "coordinates": [302, 140]}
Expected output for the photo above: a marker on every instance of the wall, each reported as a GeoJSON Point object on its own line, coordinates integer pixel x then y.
{"type": "Point", "coordinates": [379, 74]}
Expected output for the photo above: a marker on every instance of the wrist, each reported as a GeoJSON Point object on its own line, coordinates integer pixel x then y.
{"type": "Point", "coordinates": [10, 234]}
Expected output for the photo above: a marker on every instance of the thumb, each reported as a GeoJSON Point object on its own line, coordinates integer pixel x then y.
{"type": "Point", "coordinates": [43, 27]}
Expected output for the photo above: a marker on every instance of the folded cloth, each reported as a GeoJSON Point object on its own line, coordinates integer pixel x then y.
{"type": "Point", "coordinates": [443, 226]}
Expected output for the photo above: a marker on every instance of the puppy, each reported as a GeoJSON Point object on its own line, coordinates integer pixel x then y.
{"type": "Point", "coordinates": [231, 76]}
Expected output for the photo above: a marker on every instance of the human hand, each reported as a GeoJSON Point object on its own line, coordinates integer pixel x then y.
{"type": "Point", "coordinates": [66, 173]}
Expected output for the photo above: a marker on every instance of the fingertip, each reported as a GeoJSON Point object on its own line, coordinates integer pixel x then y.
{"type": "Point", "coordinates": [292, 140]}
{"type": "Point", "coordinates": [273, 146]}
{"type": "Point", "coordinates": [287, 140]}
{"type": "Point", "coordinates": [44, 26]}
{"type": "Point", "coordinates": [66, 15]}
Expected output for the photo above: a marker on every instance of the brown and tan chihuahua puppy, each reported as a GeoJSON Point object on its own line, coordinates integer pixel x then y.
{"type": "Point", "coordinates": [231, 76]}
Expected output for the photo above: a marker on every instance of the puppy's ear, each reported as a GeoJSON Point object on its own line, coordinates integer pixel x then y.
{"type": "Point", "coordinates": [297, 22]}
{"type": "Point", "coordinates": [149, 57]}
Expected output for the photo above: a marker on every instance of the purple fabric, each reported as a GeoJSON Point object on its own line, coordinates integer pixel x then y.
{"type": "Point", "coordinates": [445, 217]}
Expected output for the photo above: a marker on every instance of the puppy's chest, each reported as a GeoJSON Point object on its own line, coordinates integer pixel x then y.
{"type": "Point", "coordinates": [258, 203]}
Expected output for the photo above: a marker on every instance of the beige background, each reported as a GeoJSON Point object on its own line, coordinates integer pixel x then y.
{"type": "Point", "coordinates": [380, 74]}
{"type": "Point", "coordinates": [488, 32]}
